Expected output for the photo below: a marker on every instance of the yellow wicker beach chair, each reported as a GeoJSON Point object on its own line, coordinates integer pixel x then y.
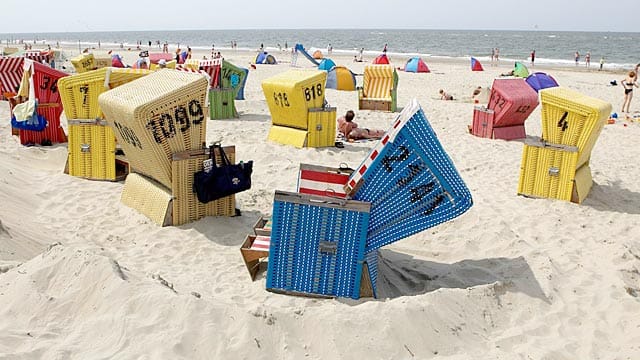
{"type": "Point", "coordinates": [178, 204]}
{"type": "Point", "coordinates": [92, 144]}
{"type": "Point", "coordinates": [84, 62]}
{"type": "Point", "coordinates": [298, 113]}
{"type": "Point", "coordinates": [379, 88]}
{"type": "Point", "coordinates": [557, 165]}
{"type": "Point", "coordinates": [156, 116]}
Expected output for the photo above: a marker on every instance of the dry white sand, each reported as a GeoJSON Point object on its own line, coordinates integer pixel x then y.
{"type": "Point", "coordinates": [82, 276]}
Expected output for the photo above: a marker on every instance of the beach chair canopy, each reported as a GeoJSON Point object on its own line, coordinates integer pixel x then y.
{"type": "Point", "coordinates": [416, 65]}
{"type": "Point", "coordinates": [265, 58]}
{"type": "Point", "coordinates": [475, 65]}
{"type": "Point", "coordinates": [381, 59]}
{"type": "Point", "coordinates": [540, 80]}
{"type": "Point", "coordinates": [341, 78]}
{"type": "Point", "coordinates": [326, 64]}
{"type": "Point", "coordinates": [520, 70]}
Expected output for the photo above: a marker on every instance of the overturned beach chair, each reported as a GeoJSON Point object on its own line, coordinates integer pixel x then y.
{"type": "Point", "coordinates": [557, 165]}
{"type": "Point", "coordinates": [160, 122]}
{"type": "Point", "coordinates": [511, 101]}
{"type": "Point", "coordinates": [92, 143]}
{"type": "Point", "coordinates": [379, 90]}
{"type": "Point", "coordinates": [299, 115]}
{"type": "Point", "coordinates": [405, 185]}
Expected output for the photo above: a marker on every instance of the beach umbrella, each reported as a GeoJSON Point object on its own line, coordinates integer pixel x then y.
{"type": "Point", "coordinates": [540, 80]}
{"type": "Point", "coordinates": [520, 70]}
{"type": "Point", "coordinates": [475, 65]}
{"type": "Point", "coordinates": [381, 59]}
{"type": "Point", "coordinates": [416, 65]}
{"type": "Point", "coordinates": [326, 64]}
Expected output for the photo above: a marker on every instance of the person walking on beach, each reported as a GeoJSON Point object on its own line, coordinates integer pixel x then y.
{"type": "Point", "coordinates": [601, 63]}
{"type": "Point", "coordinates": [493, 55]}
{"type": "Point", "coordinates": [628, 83]}
{"type": "Point", "coordinates": [577, 57]}
{"type": "Point", "coordinates": [497, 56]}
{"type": "Point", "coordinates": [533, 56]}
{"type": "Point", "coordinates": [587, 59]}
{"type": "Point", "coordinates": [329, 49]}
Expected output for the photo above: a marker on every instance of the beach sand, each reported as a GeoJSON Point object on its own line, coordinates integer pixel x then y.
{"type": "Point", "coordinates": [83, 276]}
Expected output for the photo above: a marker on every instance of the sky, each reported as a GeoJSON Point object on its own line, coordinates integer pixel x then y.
{"type": "Point", "coordinates": [41, 16]}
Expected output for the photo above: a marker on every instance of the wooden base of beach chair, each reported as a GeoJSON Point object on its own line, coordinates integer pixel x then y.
{"type": "Point", "coordinates": [378, 105]}
{"type": "Point", "coordinates": [121, 166]}
{"type": "Point", "coordinates": [253, 258]}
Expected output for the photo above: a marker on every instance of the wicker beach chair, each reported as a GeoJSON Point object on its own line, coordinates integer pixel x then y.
{"type": "Point", "coordinates": [410, 181]}
{"type": "Point", "coordinates": [317, 247]}
{"type": "Point", "coordinates": [379, 89]}
{"type": "Point", "coordinates": [299, 115]}
{"type": "Point", "coordinates": [557, 165]}
{"type": "Point", "coordinates": [510, 103]}
{"type": "Point", "coordinates": [160, 121]}
{"type": "Point", "coordinates": [92, 143]}
{"type": "Point", "coordinates": [40, 82]}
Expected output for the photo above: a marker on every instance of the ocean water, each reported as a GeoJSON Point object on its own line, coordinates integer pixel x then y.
{"type": "Point", "coordinates": [620, 50]}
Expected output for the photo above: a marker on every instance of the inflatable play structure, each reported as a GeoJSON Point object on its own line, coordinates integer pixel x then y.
{"type": "Point", "coordinates": [381, 59]}
{"type": "Point", "coordinates": [416, 65]}
{"type": "Point", "coordinates": [475, 65]}
{"type": "Point", "coordinates": [557, 165]}
{"type": "Point", "coordinates": [341, 78]}
{"type": "Point", "coordinates": [265, 58]}
{"type": "Point", "coordinates": [327, 244]}
{"type": "Point", "coordinates": [511, 101]}
{"type": "Point", "coordinates": [299, 115]}
{"type": "Point", "coordinates": [379, 89]}
{"type": "Point", "coordinates": [300, 49]}
{"type": "Point", "coordinates": [326, 64]}
{"type": "Point", "coordinates": [540, 80]}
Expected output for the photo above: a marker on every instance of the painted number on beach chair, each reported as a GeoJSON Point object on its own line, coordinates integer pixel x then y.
{"type": "Point", "coordinates": [128, 135]}
{"type": "Point", "coordinates": [388, 159]}
{"type": "Point", "coordinates": [414, 170]}
{"type": "Point", "coordinates": [499, 101]}
{"type": "Point", "coordinates": [523, 109]}
{"type": "Point", "coordinates": [84, 89]}
{"type": "Point", "coordinates": [562, 123]}
{"type": "Point", "coordinates": [45, 84]}
{"type": "Point", "coordinates": [281, 99]}
{"type": "Point", "coordinates": [313, 92]}
{"type": "Point", "coordinates": [164, 127]}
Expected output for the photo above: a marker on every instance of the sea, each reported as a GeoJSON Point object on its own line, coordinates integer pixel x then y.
{"type": "Point", "coordinates": [619, 50]}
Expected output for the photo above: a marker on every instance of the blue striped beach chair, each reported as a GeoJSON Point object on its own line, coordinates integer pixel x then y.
{"type": "Point", "coordinates": [409, 180]}
{"type": "Point", "coordinates": [318, 247]}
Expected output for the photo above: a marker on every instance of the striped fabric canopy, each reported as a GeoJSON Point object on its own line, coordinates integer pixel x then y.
{"type": "Point", "coordinates": [10, 73]}
{"type": "Point", "coordinates": [378, 81]}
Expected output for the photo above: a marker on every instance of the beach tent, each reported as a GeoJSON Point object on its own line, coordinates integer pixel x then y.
{"type": "Point", "coordinates": [341, 78]}
{"type": "Point", "coordinates": [381, 59]}
{"type": "Point", "coordinates": [475, 65]}
{"type": "Point", "coordinates": [416, 65]}
{"type": "Point", "coordinates": [540, 80]}
{"type": "Point", "coordinates": [520, 70]}
{"type": "Point", "coordinates": [155, 57]}
{"type": "Point", "coordinates": [326, 64]}
{"type": "Point", "coordinates": [318, 55]}
{"type": "Point", "coordinates": [265, 58]}
{"type": "Point", "coordinates": [116, 61]}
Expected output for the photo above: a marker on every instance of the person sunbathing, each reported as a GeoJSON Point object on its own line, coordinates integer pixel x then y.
{"type": "Point", "coordinates": [350, 130]}
{"type": "Point", "coordinates": [444, 95]}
